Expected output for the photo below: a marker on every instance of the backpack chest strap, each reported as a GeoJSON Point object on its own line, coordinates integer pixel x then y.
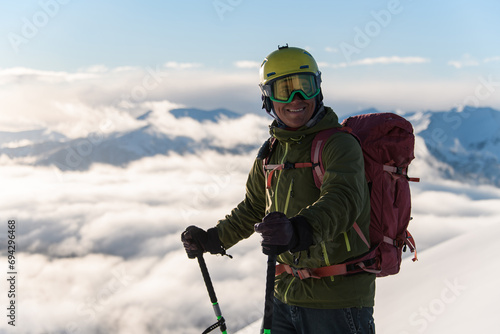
{"type": "Point", "coordinates": [286, 165]}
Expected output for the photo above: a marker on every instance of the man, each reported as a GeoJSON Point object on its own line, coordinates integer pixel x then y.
{"type": "Point", "coordinates": [308, 227]}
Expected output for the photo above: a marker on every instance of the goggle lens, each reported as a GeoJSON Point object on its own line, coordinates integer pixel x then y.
{"type": "Point", "coordinates": [283, 90]}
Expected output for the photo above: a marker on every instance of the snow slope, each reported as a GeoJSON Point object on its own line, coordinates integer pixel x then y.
{"type": "Point", "coordinates": [453, 288]}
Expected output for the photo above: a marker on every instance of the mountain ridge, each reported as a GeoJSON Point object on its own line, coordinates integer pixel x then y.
{"type": "Point", "coordinates": [466, 142]}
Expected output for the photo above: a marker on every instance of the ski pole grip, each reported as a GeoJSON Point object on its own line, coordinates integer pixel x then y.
{"type": "Point", "coordinates": [269, 299]}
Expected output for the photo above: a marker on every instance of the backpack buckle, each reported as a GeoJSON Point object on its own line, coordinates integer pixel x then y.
{"type": "Point", "coordinates": [303, 273]}
{"type": "Point", "coordinates": [295, 272]}
{"type": "Point", "coordinates": [399, 242]}
{"type": "Point", "coordinates": [288, 165]}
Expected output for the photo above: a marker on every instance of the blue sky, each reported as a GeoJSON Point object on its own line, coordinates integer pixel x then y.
{"type": "Point", "coordinates": [391, 54]}
{"type": "Point", "coordinates": [73, 34]}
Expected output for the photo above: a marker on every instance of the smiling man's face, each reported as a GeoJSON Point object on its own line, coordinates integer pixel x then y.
{"type": "Point", "coordinates": [296, 113]}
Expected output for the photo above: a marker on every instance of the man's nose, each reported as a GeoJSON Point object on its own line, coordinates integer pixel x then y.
{"type": "Point", "coordinates": [297, 96]}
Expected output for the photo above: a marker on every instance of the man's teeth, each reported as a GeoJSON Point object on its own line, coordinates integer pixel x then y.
{"type": "Point", "coordinates": [296, 110]}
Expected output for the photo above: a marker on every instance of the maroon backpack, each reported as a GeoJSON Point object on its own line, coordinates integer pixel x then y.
{"type": "Point", "coordinates": [387, 142]}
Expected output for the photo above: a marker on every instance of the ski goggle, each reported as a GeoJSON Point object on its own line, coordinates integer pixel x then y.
{"type": "Point", "coordinates": [283, 90]}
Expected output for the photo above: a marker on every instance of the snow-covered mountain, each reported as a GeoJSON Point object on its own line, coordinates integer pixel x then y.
{"type": "Point", "coordinates": [203, 115]}
{"type": "Point", "coordinates": [42, 147]}
{"type": "Point", "coordinates": [467, 141]}
{"type": "Point", "coordinates": [29, 137]}
{"type": "Point", "coordinates": [464, 144]}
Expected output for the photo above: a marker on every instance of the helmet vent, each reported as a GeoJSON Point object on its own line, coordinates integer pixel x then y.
{"type": "Point", "coordinates": [271, 73]}
{"type": "Point", "coordinates": [304, 66]}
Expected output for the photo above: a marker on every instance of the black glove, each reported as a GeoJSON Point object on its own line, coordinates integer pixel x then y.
{"type": "Point", "coordinates": [197, 241]}
{"type": "Point", "coordinates": [280, 234]}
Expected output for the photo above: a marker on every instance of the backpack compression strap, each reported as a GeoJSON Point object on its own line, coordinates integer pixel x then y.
{"type": "Point", "coordinates": [400, 171]}
{"type": "Point", "coordinates": [404, 240]}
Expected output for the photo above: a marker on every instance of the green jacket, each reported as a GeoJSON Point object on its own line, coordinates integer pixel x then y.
{"type": "Point", "coordinates": [331, 211]}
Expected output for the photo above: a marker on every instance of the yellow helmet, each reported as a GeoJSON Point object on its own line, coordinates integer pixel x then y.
{"type": "Point", "coordinates": [285, 61]}
{"type": "Point", "coordinates": [286, 72]}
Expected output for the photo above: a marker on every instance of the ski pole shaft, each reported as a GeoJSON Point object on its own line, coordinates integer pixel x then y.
{"type": "Point", "coordinates": [206, 278]}
{"type": "Point", "coordinates": [269, 299]}
{"type": "Point", "coordinates": [211, 293]}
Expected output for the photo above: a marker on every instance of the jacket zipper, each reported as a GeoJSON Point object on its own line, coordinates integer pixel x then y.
{"type": "Point", "coordinates": [278, 181]}
{"type": "Point", "coordinates": [286, 208]}
{"type": "Point", "coordinates": [288, 196]}
{"type": "Point", "coordinates": [288, 288]}
{"type": "Point", "coordinates": [287, 201]}
{"type": "Point", "coordinates": [347, 243]}
{"type": "Point", "coordinates": [325, 255]}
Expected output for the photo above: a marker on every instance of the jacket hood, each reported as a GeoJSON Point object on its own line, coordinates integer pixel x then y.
{"type": "Point", "coordinates": [329, 120]}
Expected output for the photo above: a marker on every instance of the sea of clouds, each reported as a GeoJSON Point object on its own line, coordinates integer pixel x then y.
{"type": "Point", "coordinates": [99, 251]}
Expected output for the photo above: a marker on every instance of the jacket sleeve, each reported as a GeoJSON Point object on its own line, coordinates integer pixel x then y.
{"type": "Point", "coordinates": [239, 224]}
{"type": "Point", "coordinates": [344, 193]}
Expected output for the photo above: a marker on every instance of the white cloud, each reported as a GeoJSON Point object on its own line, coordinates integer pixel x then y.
{"type": "Point", "coordinates": [331, 50]}
{"type": "Point", "coordinates": [70, 100]}
{"type": "Point", "coordinates": [18, 75]}
{"type": "Point", "coordinates": [378, 61]}
{"type": "Point", "coordinates": [466, 61]}
{"type": "Point", "coordinates": [78, 103]}
{"type": "Point", "coordinates": [391, 60]}
{"type": "Point", "coordinates": [182, 66]}
{"type": "Point", "coordinates": [492, 59]}
{"type": "Point", "coordinates": [96, 69]}
{"type": "Point", "coordinates": [247, 64]}
{"type": "Point", "coordinates": [106, 243]}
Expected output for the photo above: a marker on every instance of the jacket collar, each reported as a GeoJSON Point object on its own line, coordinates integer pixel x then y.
{"type": "Point", "coordinates": [329, 120]}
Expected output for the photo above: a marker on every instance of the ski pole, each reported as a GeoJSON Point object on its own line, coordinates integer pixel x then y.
{"type": "Point", "coordinates": [213, 298]}
{"type": "Point", "coordinates": [269, 299]}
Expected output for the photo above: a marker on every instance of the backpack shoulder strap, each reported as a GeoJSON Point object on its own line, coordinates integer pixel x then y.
{"type": "Point", "coordinates": [265, 152]}
{"type": "Point", "coordinates": [318, 144]}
